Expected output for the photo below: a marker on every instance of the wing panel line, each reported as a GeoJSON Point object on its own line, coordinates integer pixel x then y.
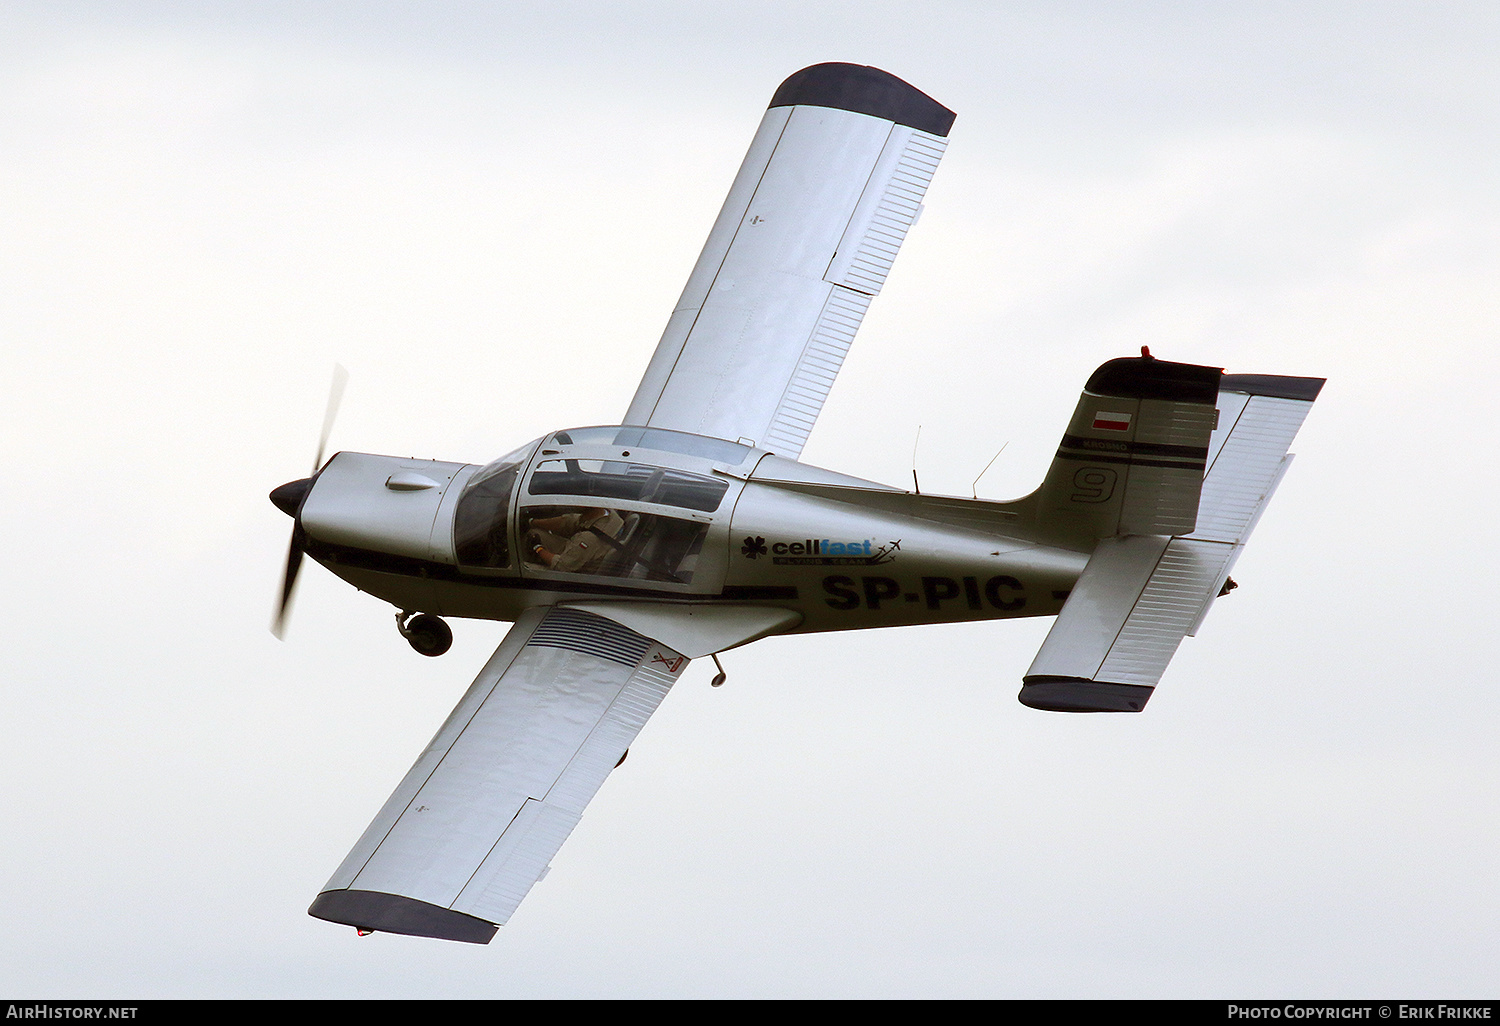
{"type": "Point", "coordinates": [739, 225]}
{"type": "Point", "coordinates": [464, 712]}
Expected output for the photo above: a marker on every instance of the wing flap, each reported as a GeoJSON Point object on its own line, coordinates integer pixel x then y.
{"type": "Point", "coordinates": [812, 376]}
{"type": "Point", "coordinates": [490, 801]}
{"type": "Point", "coordinates": [697, 630]}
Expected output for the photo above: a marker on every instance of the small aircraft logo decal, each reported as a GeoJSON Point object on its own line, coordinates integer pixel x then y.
{"type": "Point", "coordinates": [672, 665]}
{"type": "Point", "coordinates": [753, 547]}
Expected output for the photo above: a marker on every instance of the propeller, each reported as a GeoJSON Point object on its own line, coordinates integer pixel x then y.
{"type": "Point", "coordinates": [288, 498]}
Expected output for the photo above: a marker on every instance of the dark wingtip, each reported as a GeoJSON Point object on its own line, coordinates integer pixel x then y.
{"type": "Point", "coordinates": [1078, 694]}
{"type": "Point", "coordinates": [865, 90]}
{"type": "Point", "coordinates": [396, 913]}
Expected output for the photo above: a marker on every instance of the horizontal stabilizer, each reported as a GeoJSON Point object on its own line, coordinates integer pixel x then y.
{"type": "Point", "coordinates": [1140, 595]}
{"type": "Point", "coordinates": [1121, 625]}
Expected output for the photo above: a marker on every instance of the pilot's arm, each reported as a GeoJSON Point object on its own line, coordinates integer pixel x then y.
{"type": "Point", "coordinates": [584, 546]}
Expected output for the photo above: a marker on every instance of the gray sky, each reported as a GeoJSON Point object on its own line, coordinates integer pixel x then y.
{"type": "Point", "coordinates": [485, 211]}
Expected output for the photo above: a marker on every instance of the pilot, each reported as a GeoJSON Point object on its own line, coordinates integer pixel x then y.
{"type": "Point", "coordinates": [587, 534]}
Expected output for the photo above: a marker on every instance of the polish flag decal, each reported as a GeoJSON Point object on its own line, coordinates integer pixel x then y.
{"type": "Point", "coordinates": [1104, 421]}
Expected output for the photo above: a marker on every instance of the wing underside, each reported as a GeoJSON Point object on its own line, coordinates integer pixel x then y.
{"type": "Point", "coordinates": [833, 181]}
{"type": "Point", "coordinates": [490, 801]}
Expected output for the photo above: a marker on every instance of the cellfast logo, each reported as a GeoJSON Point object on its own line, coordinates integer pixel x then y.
{"type": "Point", "coordinates": [822, 551]}
{"type": "Point", "coordinates": [823, 547]}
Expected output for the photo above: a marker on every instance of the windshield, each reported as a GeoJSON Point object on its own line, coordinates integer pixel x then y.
{"type": "Point", "coordinates": [480, 535]}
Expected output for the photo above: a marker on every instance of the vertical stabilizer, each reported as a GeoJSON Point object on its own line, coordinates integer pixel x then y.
{"type": "Point", "coordinates": [1133, 457]}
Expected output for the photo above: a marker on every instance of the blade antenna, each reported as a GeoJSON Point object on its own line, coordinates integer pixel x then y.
{"type": "Point", "coordinates": [914, 445]}
{"type": "Point", "coordinates": [974, 488]}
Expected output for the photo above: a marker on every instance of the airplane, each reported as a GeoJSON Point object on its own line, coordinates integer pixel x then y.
{"type": "Point", "coordinates": [621, 552]}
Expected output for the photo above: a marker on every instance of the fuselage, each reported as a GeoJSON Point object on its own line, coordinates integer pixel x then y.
{"type": "Point", "coordinates": [628, 513]}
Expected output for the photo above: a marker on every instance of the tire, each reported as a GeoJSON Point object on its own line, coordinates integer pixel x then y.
{"type": "Point", "coordinates": [429, 635]}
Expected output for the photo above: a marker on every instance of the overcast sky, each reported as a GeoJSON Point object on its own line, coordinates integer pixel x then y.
{"type": "Point", "coordinates": [485, 211]}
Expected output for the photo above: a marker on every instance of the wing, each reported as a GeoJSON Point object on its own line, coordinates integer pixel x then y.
{"type": "Point", "coordinates": [497, 791]}
{"type": "Point", "coordinates": [834, 178]}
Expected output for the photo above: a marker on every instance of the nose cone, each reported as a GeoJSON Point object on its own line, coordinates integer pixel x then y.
{"type": "Point", "coordinates": [288, 498]}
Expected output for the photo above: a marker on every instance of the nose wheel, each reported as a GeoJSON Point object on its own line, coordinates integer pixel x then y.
{"type": "Point", "coordinates": [426, 633]}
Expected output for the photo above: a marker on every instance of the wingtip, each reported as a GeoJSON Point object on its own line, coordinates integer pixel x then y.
{"type": "Point", "coordinates": [864, 90]}
{"type": "Point", "coordinates": [1275, 386]}
{"type": "Point", "coordinates": [380, 912]}
{"type": "Point", "coordinates": [1079, 694]}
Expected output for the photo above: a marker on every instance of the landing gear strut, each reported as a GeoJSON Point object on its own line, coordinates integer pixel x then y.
{"type": "Point", "coordinates": [426, 633]}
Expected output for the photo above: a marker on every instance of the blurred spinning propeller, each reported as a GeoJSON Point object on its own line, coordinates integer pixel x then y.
{"type": "Point", "coordinates": [288, 498]}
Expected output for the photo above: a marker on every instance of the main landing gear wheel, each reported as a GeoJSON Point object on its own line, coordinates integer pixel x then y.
{"type": "Point", "coordinates": [426, 633]}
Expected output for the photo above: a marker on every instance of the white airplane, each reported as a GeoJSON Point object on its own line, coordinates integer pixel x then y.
{"type": "Point", "coordinates": [622, 552]}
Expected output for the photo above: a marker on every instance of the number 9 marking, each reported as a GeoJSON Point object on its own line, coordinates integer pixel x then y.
{"type": "Point", "coordinates": [1094, 484]}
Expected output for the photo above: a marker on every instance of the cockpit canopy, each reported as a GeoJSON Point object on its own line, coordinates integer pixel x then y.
{"type": "Point", "coordinates": [636, 482]}
{"type": "Point", "coordinates": [715, 449]}
{"type": "Point", "coordinates": [617, 502]}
